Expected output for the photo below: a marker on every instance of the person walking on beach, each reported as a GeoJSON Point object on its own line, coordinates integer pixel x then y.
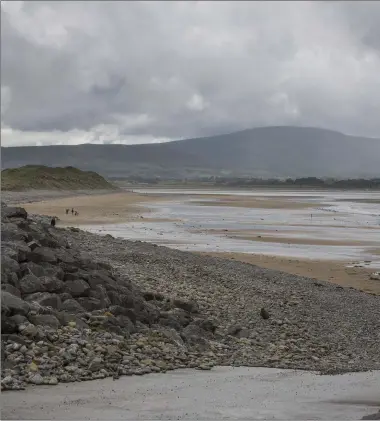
{"type": "Point", "coordinates": [52, 222]}
{"type": "Point", "coordinates": [67, 211]}
{"type": "Point", "coordinates": [72, 211]}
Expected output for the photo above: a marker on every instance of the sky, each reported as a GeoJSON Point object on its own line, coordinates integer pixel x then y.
{"type": "Point", "coordinates": [139, 72]}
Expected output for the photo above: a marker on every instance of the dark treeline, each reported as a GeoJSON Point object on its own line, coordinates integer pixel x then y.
{"type": "Point", "coordinates": [354, 183]}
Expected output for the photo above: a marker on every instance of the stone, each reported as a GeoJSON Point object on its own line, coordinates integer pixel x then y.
{"type": "Point", "coordinates": [100, 294]}
{"type": "Point", "coordinates": [375, 276]}
{"type": "Point", "coordinates": [36, 379]}
{"type": "Point", "coordinates": [8, 325]}
{"type": "Point", "coordinates": [28, 330]}
{"type": "Point", "coordinates": [32, 268]}
{"type": "Point", "coordinates": [89, 304]}
{"type": "Point", "coordinates": [190, 306]}
{"type": "Point", "coordinates": [42, 254]}
{"type": "Point", "coordinates": [11, 232]}
{"type": "Point", "coordinates": [96, 364]}
{"type": "Point", "coordinates": [234, 330]}
{"type": "Point", "coordinates": [9, 265]}
{"type": "Point", "coordinates": [33, 245]}
{"type": "Point", "coordinates": [11, 289]}
{"type": "Point", "coordinates": [121, 311]}
{"type": "Point", "coordinates": [264, 314]}
{"type": "Point", "coordinates": [13, 212]}
{"type": "Point", "coordinates": [65, 296]}
{"type": "Point", "coordinates": [10, 305]}
{"type": "Point", "coordinates": [77, 288]}
{"type": "Point", "coordinates": [30, 284]}
{"type": "Point", "coordinates": [72, 306]}
{"type": "Point", "coordinates": [19, 319]}
{"type": "Point", "coordinates": [45, 299]}
{"type": "Point", "coordinates": [45, 320]}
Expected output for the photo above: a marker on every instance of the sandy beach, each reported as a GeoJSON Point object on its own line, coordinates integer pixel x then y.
{"type": "Point", "coordinates": [93, 209]}
{"type": "Point", "coordinates": [127, 207]}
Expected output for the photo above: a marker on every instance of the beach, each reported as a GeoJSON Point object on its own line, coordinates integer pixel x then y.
{"type": "Point", "coordinates": [293, 244]}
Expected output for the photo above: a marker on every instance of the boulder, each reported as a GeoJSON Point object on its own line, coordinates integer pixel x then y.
{"type": "Point", "coordinates": [45, 299]}
{"type": "Point", "coordinates": [11, 289]}
{"type": "Point", "coordinates": [10, 305]}
{"type": "Point", "coordinates": [33, 245]}
{"type": "Point", "coordinates": [9, 265]}
{"type": "Point", "coordinates": [32, 268]}
{"type": "Point", "coordinates": [45, 320]}
{"type": "Point", "coordinates": [90, 304]}
{"type": "Point", "coordinates": [13, 212]}
{"type": "Point", "coordinates": [191, 306]}
{"type": "Point", "coordinates": [77, 288]}
{"type": "Point", "coordinates": [65, 296]}
{"type": "Point", "coordinates": [66, 318]}
{"type": "Point", "coordinates": [42, 254]}
{"type": "Point", "coordinates": [11, 232]}
{"type": "Point", "coordinates": [100, 293]}
{"type": "Point", "coordinates": [72, 306]}
{"type": "Point", "coordinates": [30, 284]}
{"type": "Point", "coordinates": [64, 256]}
{"type": "Point", "coordinates": [16, 250]}
{"type": "Point", "coordinates": [8, 325]}
{"type": "Point", "coordinates": [121, 311]}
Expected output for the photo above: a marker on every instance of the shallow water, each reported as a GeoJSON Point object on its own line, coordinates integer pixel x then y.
{"type": "Point", "coordinates": [330, 219]}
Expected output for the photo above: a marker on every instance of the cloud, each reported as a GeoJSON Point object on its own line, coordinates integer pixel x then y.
{"type": "Point", "coordinates": [141, 71]}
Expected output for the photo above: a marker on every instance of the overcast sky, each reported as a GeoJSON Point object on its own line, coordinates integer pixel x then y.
{"type": "Point", "coordinates": [137, 72]}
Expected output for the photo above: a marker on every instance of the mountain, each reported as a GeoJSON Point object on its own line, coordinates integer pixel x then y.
{"type": "Point", "coordinates": [39, 177]}
{"type": "Point", "coordinates": [282, 151]}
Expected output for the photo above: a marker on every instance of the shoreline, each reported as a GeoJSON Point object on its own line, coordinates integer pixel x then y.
{"type": "Point", "coordinates": [124, 206]}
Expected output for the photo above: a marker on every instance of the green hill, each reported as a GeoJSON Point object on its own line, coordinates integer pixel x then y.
{"type": "Point", "coordinates": [40, 177]}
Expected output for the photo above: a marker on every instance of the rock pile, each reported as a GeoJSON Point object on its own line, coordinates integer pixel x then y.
{"type": "Point", "coordinates": [67, 317]}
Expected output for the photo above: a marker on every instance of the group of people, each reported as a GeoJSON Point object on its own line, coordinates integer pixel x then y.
{"type": "Point", "coordinates": [73, 212]}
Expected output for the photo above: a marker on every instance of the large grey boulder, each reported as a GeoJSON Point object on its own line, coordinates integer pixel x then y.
{"type": "Point", "coordinates": [42, 254]}
{"type": "Point", "coordinates": [30, 284]}
{"type": "Point", "coordinates": [77, 288]}
{"type": "Point", "coordinates": [72, 306]}
{"type": "Point", "coordinates": [10, 305]}
{"type": "Point", "coordinates": [13, 212]}
{"type": "Point", "coordinates": [45, 299]}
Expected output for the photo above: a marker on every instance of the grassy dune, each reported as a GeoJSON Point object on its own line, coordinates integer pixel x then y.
{"type": "Point", "coordinates": [40, 177]}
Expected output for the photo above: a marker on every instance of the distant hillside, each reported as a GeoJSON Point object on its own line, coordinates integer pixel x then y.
{"type": "Point", "coordinates": [266, 152]}
{"type": "Point", "coordinates": [38, 177]}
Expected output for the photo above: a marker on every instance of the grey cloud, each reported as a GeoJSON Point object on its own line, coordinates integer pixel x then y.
{"type": "Point", "coordinates": [78, 65]}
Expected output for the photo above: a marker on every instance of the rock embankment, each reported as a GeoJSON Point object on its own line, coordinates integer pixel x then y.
{"type": "Point", "coordinates": [78, 306]}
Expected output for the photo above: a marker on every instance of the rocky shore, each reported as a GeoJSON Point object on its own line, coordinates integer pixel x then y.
{"type": "Point", "coordinates": [78, 306]}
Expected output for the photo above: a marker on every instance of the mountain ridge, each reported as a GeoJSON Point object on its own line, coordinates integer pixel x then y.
{"type": "Point", "coordinates": [274, 151]}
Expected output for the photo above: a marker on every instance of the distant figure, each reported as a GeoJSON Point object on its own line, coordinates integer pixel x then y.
{"type": "Point", "coordinates": [67, 211]}
{"type": "Point", "coordinates": [76, 213]}
{"type": "Point", "coordinates": [72, 211]}
{"type": "Point", "coordinates": [52, 222]}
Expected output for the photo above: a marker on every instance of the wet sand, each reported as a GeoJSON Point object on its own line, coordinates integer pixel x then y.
{"type": "Point", "coordinates": [335, 272]}
{"type": "Point", "coordinates": [260, 236]}
{"type": "Point", "coordinates": [256, 203]}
